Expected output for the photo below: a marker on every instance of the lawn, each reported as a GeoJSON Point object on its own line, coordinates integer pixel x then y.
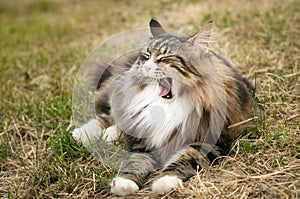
{"type": "Point", "coordinates": [44, 42]}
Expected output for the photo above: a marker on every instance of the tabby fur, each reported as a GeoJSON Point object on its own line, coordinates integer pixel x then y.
{"type": "Point", "coordinates": [173, 103]}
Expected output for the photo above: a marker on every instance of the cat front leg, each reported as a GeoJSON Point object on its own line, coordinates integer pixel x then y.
{"type": "Point", "coordinates": [181, 167]}
{"type": "Point", "coordinates": [133, 173]}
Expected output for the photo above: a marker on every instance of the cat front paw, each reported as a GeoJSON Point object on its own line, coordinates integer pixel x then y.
{"type": "Point", "coordinates": [88, 133]}
{"type": "Point", "coordinates": [122, 187]}
{"type": "Point", "coordinates": [165, 184]}
{"type": "Point", "coordinates": [110, 134]}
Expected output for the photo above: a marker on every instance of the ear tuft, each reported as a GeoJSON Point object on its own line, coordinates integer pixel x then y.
{"type": "Point", "coordinates": [156, 29]}
{"type": "Point", "coordinates": [203, 36]}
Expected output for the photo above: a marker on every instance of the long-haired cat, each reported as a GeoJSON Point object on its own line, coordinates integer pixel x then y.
{"type": "Point", "coordinates": [173, 105]}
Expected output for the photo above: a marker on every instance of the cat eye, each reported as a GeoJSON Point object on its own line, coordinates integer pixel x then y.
{"type": "Point", "coordinates": [159, 58]}
{"type": "Point", "coordinates": [145, 56]}
{"type": "Point", "coordinates": [163, 57]}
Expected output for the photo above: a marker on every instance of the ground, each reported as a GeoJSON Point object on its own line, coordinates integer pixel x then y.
{"type": "Point", "coordinates": [44, 42]}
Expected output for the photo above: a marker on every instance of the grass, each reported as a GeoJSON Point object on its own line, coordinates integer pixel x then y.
{"type": "Point", "coordinates": [43, 44]}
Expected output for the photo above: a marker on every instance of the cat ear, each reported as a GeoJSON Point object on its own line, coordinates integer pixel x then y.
{"type": "Point", "coordinates": [202, 37]}
{"type": "Point", "coordinates": [156, 29]}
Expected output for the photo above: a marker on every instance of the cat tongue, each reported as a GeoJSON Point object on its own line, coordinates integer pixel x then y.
{"type": "Point", "coordinates": [165, 87]}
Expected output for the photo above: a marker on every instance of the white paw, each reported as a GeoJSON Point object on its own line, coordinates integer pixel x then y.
{"type": "Point", "coordinates": [122, 186]}
{"type": "Point", "coordinates": [88, 133]}
{"type": "Point", "coordinates": [165, 184]}
{"type": "Point", "coordinates": [110, 134]}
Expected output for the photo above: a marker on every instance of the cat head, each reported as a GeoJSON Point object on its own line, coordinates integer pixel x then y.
{"type": "Point", "coordinates": [170, 59]}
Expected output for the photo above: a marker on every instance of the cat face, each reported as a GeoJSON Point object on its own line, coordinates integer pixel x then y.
{"type": "Point", "coordinates": [168, 60]}
{"type": "Point", "coordinates": [162, 64]}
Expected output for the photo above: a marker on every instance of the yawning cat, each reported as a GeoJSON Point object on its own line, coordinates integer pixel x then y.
{"type": "Point", "coordinates": [171, 104]}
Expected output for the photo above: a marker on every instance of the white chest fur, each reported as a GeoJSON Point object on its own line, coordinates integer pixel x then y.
{"type": "Point", "coordinates": [155, 117]}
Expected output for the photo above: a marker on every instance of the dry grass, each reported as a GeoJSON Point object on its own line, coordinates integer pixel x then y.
{"type": "Point", "coordinates": [42, 46]}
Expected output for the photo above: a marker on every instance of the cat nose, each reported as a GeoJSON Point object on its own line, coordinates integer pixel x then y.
{"type": "Point", "coordinates": [147, 68]}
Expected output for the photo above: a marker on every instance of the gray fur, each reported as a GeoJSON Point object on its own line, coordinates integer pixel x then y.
{"type": "Point", "coordinates": [213, 95]}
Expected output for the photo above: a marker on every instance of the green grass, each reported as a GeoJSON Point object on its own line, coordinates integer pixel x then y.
{"type": "Point", "coordinates": [43, 43]}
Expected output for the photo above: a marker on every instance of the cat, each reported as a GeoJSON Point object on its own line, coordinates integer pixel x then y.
{"type": "Point", "coordinates": [173, 104]}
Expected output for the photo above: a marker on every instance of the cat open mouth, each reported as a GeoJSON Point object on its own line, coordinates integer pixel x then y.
{"type": "Point", "coordinates": [165, 86]}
